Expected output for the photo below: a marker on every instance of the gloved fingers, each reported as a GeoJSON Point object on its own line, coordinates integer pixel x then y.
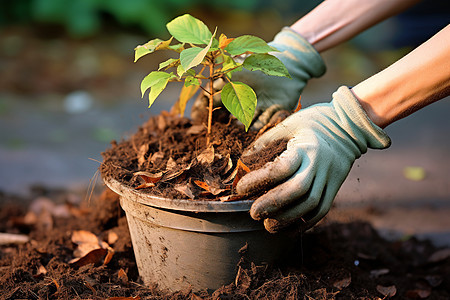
{"type": "Point", "coordinates": [265, 116]}
{"type": "Point", "coordinates": [272, 173]}
{"type": "Point", "coordinates": [313, 217]}
{"type": "Point", "coordinates": [300, 215]}
{"type": "Point", "coordinates": [290, 200]}
{"type": "Point", "coordinates": [276, 133]}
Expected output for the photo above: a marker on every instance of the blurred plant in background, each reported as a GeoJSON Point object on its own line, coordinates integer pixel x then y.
{"type": "Point", "coordinates": [84, 18]}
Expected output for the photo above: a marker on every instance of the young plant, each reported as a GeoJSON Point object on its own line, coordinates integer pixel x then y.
{"type": "Point", "coordinates": [199, 49]}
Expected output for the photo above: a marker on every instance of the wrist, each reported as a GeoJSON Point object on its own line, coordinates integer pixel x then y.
{"type": "Point", "coordinates": [373, 112]}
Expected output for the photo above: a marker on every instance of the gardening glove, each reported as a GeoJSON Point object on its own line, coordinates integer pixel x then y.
{"type": "Point", "coordinates": [323, 142]}
{"type": "Point", "coordinates": [279, 93]}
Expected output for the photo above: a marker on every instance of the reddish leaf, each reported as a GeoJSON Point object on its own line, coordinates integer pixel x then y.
{"type": "Point", "coordinates": [202, 185]}
{"type": "Point", "coordinates": [242, 170]}
{"type": "Point", "coordinates": [108, 256]}
{"type": "Point", "coordinates": [122, 276]}
{"type": "Point", "coordinates": [93, 257]}
{"type": "Point", "coordinates": [148, 177]}
{"type": "Point", "coordinates": [224, 41]}
{"type": "Point", "coordinates": [299, 104]}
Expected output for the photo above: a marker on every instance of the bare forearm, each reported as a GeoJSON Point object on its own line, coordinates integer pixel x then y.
{"type": "Point", "coordinates": [418, 79]}
{"type": "Point", "coordinates": [335, 21]}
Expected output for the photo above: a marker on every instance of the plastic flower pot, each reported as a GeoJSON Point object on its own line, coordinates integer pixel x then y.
{"type": "Point", "coordinates": [182, 244]}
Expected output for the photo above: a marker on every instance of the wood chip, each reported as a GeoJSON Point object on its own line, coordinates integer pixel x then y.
{"type": "Point", "coordinates": [13, 239]}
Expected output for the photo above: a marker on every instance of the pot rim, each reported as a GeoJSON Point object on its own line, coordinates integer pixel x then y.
{"type": "Point", "coordinates": [176, 204]}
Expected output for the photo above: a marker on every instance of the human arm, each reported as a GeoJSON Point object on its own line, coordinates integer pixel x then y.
{"type": "Point", "coordinates": [335, 21]}
{"type": "Point", "coordinates": [325, 139]}
{"type": "Point", "coordinates": [416, 80]}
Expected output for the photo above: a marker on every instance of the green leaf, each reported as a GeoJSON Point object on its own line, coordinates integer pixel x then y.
{"type": "Point", "coordinates": [249, 43]}
{"type": "Point", "coordinates": [180, 70]}
{"type": "Point", "coordinates": [171, 62]}
{"type": "Point", "coordinates": [194, 56]}
{"type": "Point", "coordinates": [188, 29]}
{"type": "Point", "coordinates": [190, 80]}
{"type": "Point", "coordinates": [266, 63]}
{"type": "Point", "coordinates": [155, 81]}
{"type": "Point", "coordinates": [150, 47]}
{"type": "Point", "coordinates": [240, 100]}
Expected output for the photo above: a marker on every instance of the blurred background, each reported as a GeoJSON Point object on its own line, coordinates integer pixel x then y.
{"type": "Point", "coordinates": [68, 86]}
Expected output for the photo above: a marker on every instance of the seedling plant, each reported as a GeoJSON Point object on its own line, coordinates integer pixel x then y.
{"type": "Point", "coordinates": [199, 52]}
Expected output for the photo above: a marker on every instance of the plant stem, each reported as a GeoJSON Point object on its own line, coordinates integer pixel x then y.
{"type": "Point", "coordinates": [211, 103]}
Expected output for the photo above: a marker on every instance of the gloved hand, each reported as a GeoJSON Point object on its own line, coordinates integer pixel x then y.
{"type": "Point", "coordinates": [279, 93]}
{"type": "Point", "coordinates": [324, 141]}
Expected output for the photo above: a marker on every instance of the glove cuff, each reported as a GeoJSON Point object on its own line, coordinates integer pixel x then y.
{"type": "Point", "coordinates": [354, 114]}
{"type": "Point", "coordinates": [300, 51]}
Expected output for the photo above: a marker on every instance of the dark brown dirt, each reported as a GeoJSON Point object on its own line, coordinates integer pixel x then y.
{"type": "Point", "coordinates": [175, 146]}
{"type": "Point", "coordinates": [334, 261]}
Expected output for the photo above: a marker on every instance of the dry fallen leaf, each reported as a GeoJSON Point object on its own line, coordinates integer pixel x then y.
{"type": "Point", "coordinates": [418, 293]}
{"type": "Point", "coordinates": [93, 257]}
{"type": "Point", "coordinates": [387, 291]}
{"type": "Point", "coordinates": [185, 189]}
{"type": "Point", "coordinates": [171, 164]}
{"type": "Point", "coordinates": [207, 156]}
{"type": "Point", "coordinates": [112, 237]}
{"type": "Point", "coordinates": [242, 170]}
{"type": "Point", "coordinates": [122, 275]}
{"type": "Point", "coordinates": [90, 250]}
{"type": "Point", "coordinates": [343, 283]}
{"type": "Point", "coordinates": [439, 255]}
{"type": "Point", "coordinates": [149, 179]}
{"type": "Point", "coordinates": [155, 156]}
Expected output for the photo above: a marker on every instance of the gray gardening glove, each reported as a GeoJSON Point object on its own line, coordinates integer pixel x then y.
{"type": "Point", "coordinates": [278, 93]}
{"type": "Point", "coordinates": [301, 183]}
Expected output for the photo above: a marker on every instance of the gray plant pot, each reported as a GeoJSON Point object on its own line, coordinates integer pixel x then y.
{"type": "Point", "coordinates": [182, 244]}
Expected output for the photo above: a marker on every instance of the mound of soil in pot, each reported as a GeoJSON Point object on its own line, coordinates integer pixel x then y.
{"type": "Point", "coordinates": [168, 156]}
{"type": "Point", "coordinates": [333, 261]}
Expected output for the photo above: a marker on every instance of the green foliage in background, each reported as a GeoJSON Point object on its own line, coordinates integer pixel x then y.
{"type": "Point", "coordinates": [85, 17]}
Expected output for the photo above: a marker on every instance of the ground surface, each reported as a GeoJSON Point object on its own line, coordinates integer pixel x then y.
{"type": "Point", "coordinates": [344, 260]}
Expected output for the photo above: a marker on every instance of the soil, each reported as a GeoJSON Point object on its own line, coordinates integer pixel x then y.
{"type": "Point", "coordinates": [333, 261]}
{"type": "Point", "coordinates": [168, 156]}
